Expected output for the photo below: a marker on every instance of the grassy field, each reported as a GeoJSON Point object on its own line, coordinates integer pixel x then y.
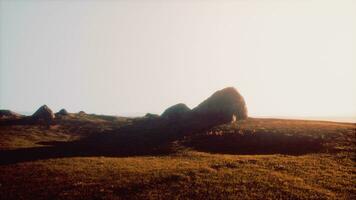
{"type": "Point", "coordinates": [100, 157]}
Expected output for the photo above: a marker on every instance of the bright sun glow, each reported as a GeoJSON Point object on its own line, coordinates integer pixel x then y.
{"type": "Point", "coordinates": [287, 58]}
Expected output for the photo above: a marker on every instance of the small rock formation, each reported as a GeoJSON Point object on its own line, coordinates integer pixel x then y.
{"type": "Point", "coordinates": [43, 113]}
{"type": "Point", "coordinates": [81, 113]}
{"type": "Point", "coordinates": [223, 106]}
{"type": "Point", "coordinates": [8, 114]}
{"type": "Point", "coordinates": [63, 112]}
{"type": "Point", "coordinates": [176, 112]}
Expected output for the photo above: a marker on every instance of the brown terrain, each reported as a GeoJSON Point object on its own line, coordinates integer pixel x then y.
{"type": "Point", "coordinates": [213, 151]}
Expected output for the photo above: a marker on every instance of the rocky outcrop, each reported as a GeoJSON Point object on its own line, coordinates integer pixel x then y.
{"type": "Point", "coordinates": [43, 113]}
{"type": "Point", "coordinates": [223, 106]}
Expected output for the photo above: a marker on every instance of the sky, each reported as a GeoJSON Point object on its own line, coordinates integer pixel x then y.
{"type": "Point", "coordinates": [291, 58]}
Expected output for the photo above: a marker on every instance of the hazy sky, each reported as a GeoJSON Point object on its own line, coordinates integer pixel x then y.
{"type": "Point", "coordinates": [286, 57]}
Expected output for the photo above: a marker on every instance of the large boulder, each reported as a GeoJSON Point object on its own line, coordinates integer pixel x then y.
{"type": "Point", "coordinates": [8, 114]}
{"type": "Point", "coordinates": [43, 113]}
{"type": "Point", "coordinates": [223, 106]}
{"type": "Point", "coordinates": [176, 112]}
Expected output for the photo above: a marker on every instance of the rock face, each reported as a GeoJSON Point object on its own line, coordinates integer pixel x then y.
{"type": "Point", "coordinates": [8, 114]}
{"type": "Point", "coordinates": [223, 106]}
{"type": "Point", "coordinates": [43, 113]}
{"type": "Point", "coordinates": [176, 112]}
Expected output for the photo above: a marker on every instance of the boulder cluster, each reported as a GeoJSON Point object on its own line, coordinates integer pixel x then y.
{"type": "Point", "coordinates": [42, 114]}
{"type": "Point", "coordinates": [45, 115]}
{"type": "Point", "coordinates": [223, 106]}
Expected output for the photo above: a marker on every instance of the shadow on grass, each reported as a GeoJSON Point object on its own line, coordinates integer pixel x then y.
{"type": "Point", "coordinates": [257, 143]}
{"type": "Point", "coordinates": [152, 138]}
{"type": "Point", "coordinates": [103, 144]}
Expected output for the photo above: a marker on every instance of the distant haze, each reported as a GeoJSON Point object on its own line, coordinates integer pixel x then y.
{"type": "Point", "coordinates": [293, 58]}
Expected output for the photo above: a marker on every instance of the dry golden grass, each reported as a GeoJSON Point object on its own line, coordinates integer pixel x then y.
{"type": "Point", "coordinates": [189, 171]}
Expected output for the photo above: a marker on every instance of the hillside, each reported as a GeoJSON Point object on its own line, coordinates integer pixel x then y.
{"type": "Point", "coordinates": [86, 156]}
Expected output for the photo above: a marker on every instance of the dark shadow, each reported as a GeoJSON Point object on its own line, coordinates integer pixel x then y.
{"type": "Point", "coordinates": [26, 120]}
{"type": "Point", "coordinates": [122, 142]}
{"type": "Point", "coordinates": [151, 137]}
{"type": "Point", "coordinates": [256, 143]}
